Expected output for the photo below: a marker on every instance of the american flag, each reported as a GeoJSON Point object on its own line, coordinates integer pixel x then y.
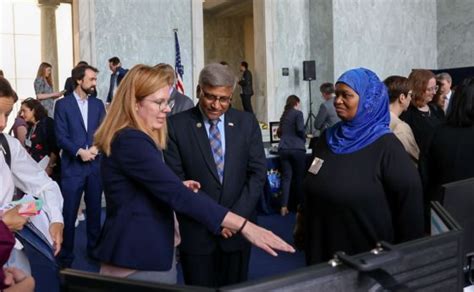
{"type": "Point", "coordinates": [178, 68]}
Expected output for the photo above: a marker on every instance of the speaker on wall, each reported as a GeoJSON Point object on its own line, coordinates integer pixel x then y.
{"type": "Point", "coordinates": [309, 70]}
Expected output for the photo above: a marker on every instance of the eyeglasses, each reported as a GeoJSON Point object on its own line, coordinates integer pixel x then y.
{"type": "Point", "coordinates": [432, 89]}
{"type": "Point", "coordinates": [162, 104]}
{"type": "Point", "coordinates": [223, 100]}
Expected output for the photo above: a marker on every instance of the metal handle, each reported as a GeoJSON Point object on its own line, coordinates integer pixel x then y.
{"type": "Point", "coordinates": [384, 253]}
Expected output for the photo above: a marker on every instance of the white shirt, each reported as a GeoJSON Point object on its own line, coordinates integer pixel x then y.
{"type": "Point", "coordinates": [447, 101]}
{"type": "Point", "coordinates": [27, 175]}
{"type": "Point", "coordinates": [83, 107]}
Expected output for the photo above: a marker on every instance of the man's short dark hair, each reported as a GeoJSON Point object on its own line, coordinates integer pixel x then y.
{"type": "Point", "coordinates": [82, 63]}
{"type": "Point", "coordinates": [114, 60]}
{"type": "Point", "coordinates": [245, 64]}
{"type": "Point", "coordinates": [327, 88]}
{"type": "Point", "coordinates": [79, 72]}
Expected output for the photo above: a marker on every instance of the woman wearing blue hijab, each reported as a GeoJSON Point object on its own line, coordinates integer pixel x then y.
{"type": "Point", "coordinates": [361, 187]}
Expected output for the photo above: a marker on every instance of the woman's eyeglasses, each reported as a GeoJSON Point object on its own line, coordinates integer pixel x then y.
{"type": "Point", "coordinates": [432, 89]}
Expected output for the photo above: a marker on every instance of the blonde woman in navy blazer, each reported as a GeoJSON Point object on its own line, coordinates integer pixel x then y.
{"type": "Point", "coordinates": [137, 240]}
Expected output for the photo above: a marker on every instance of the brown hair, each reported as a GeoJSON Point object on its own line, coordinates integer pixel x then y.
{"type": "Point", "coordinates": [418, 83]}
{"type": "Point", "coordinates": [41, 73]}
{"type": "Point", "coordinates": [39, 111]}
{"type": "Point", "coordinates": [6, 90]}
{"type": "Point", "coordinates": [396, 85]}
{"type": "Point", "coordinates": [140, 81]}
{"type": "Point", "coordinates": [168, 69]}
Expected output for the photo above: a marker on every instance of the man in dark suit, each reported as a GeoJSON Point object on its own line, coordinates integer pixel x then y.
{"type": "Point", "coordinates": [222, 149]}
{"type": "Point", "coordinates": [77, 117]}
{"type": "Point", "coordinates": [179, 102]}
{"type": "Point", "coordinates": [247, 88]}
{"type": "Point", "coordinates": [116, 77]}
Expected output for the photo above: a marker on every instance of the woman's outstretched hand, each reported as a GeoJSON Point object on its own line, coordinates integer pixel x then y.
{"type": "Point", "coordinates": [265, 239]}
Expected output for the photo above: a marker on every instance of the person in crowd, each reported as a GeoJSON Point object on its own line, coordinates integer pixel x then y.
{"type": "Point", "coordinates": [40, 140]}
{"type": "Point", "coordinates": [1, 73]}
{"type": "Point", "coordinates": [245, 83]}
{"type": "Point", "coordinates": [438, 103]}
{"type": "Point", "coordinates": [449, 156]}
{"type": "Point", "coordinates": [44, 88]}
{"type": "Point", "coordinates": [178, 101]}
{"type": "Point", "coordinates": [420, 116]}
{"type": "Point", "coordinates": [326, 116]}
{"type": "Point", "coordinates": [444, 81]}
{"type": "Point", "coordinates": [361, 187]}
{"type": "Point", "coordinates": [19, 129]}
{"type": "Point", "coordinates": [69, 85]}
{"type": "Point", "coordinates": [12, 278]}
{"type": "Point", "coordinates": [141, 191]}
{"type": "Point", "coordinates": [222, 149]}
{"type": "Point", "coordinates": [399, 95]}
{"type": "Point", "coordinates": [18, 169]}
{"type": "Point", "coordinates": [115, 78]}
{"type": "Point", "coordinates": [77, 117]}
{"type": "Point", "coordinates": [292, 151]}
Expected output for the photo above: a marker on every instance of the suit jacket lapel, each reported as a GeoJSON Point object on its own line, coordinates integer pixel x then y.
{"type": "Point", "coordinates": [198, 128]}
{"type": "Point", "coordinates": [231, 141]}
{"type": "Point", "coordinates": [91, 113]}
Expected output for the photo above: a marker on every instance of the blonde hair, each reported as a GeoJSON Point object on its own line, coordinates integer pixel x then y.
{"type": "Point", "coordinates": [42, 73]}
{"type": "Point", "coordinates": [139, 82]}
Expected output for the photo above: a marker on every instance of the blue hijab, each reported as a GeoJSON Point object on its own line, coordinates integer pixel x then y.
{"type": "Point", "coordinates": [372, 118]}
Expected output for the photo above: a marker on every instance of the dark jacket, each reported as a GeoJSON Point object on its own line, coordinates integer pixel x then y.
{"type": "Point", "coordinates": [246, 83]}
{"type": "Point", "coordinates": [189, 155]}
{"type": "Point", "coordinates": [141, 193]}
{"type": "Point", "coordinates": [71, 132]}
{"type": "Point", "coordinates": [121, 74]}
{"type": "Point", "coordinates": [179, 102]}
{"type": "Point", "coordinates": [292, 131]}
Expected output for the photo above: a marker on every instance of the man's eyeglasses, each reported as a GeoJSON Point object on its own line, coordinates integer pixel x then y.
{"type": "Point", "coordinates": [432, 89]}
{"type": "Point", "coordinates": [223, 100]}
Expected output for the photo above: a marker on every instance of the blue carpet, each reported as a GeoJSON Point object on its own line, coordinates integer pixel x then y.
{"type": "Point", "coordinates": [261, 263]}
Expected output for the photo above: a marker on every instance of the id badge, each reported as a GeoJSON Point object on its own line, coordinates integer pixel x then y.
{"type": "Point", "coordinates": [316, 165]}
{"type": "Point", "coordinates": [27, 142]}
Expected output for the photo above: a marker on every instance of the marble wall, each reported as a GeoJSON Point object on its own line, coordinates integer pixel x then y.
{"type": "Point", "coordinates": [321, 46]}
{"type": "Point", "coordinates": [455, 33]}
{"type": "Point", "coordinates": [136, 32]}
{"type": "Point", "coordinates": [389, 37]}
{"type": "Point", "coordinates": [287, 46]}
{"type": "Point", "coordinates": [224, 41]}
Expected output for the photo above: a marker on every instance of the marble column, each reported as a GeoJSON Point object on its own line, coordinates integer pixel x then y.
{"type": "Point", "coordinates": [49, 46]}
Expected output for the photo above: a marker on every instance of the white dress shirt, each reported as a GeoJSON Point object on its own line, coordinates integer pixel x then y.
{"type": "Point", "coordinates": [83, 107]}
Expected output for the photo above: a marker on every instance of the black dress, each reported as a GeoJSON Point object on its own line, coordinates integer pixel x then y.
{"type": "Point", "coordinates": [42, 142]}
{"type": "Point", "coordinates": [360, 198]}
{"type": "Point", "coordinates": [422, 123]}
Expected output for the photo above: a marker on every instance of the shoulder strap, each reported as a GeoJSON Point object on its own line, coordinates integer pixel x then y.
{"type": "Point", "coordinates": [5, 149]}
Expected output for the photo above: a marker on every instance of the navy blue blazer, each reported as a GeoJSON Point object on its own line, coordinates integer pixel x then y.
{"type": "Point", "coordinates": [292, 131]}
{"type": "Point", "coordinates": [141, 193]}
{"type": "Point", "coordinates": [189, 155]}
{"type": "Point", "coordinates": [71, 133]}
{"type": "Point", "coordinates": [121, 74]}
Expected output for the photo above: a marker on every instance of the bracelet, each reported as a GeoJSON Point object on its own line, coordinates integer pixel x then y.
{"type": "Point", "coordinates": [242, 227]}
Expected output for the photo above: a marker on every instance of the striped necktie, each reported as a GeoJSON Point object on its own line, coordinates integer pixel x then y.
{"type": "Point", "coordinates": [216, 147]}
